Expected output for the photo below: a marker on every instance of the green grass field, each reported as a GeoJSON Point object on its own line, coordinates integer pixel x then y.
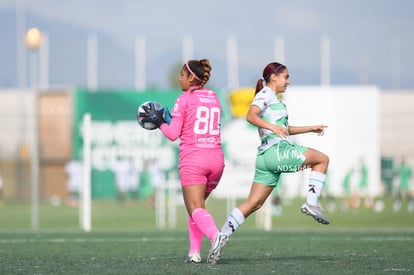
{"type": "Point", "coordinates": [322, 251]}
{"type": "Point", "coordinates": [124, 240]}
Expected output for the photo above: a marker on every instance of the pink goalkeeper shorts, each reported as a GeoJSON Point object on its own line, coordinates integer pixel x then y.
{"type": "Point", "coordinates": [202, 167]}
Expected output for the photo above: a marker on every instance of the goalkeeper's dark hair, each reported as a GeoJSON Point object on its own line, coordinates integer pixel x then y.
{"type": "Point", "coordinates": [272, 68]}
{"type": "Point", "coordinates": [200, 69]}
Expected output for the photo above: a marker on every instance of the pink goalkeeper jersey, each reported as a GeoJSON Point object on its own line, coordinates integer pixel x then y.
{"type": "Point", "coordinates": [195, 120]}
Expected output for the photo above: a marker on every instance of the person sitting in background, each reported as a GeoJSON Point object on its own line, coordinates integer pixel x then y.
{"type": "Point", "coordinates": [74, 171]}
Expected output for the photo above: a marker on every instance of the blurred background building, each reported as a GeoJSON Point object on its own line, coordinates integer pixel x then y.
{"type": "Point", "coordinates": [61, 60]}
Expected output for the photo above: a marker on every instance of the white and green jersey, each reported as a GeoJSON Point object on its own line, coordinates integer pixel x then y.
{"type": "Point", "coordinates": [274, 112]}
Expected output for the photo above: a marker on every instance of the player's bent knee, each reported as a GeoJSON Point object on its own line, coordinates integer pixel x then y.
{"type": "Point", "coordinates": [324, 163]}
{"type": "Point", "coordinates": [325, 159]}
{"type": "Point", "coordinates": [250, 207]}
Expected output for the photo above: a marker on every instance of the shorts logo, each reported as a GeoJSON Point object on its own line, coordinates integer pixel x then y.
{"type": "Point", "coordinates": [287, 154]}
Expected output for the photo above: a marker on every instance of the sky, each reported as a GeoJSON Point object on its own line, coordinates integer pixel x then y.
{"type": "Point", "coordinates": [370, 41]}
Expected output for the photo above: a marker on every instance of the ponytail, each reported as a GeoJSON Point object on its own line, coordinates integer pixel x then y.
{"type": "Point", "coordinates": [259, 85]}
{"type": "Point", "coordinates": [272, 68]}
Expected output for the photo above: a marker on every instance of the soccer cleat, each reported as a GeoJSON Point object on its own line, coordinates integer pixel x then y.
{"type": "Point", "coordinates": [194, 258]}
{"type": "Point", "coordinates": [216, 246]}
{"type": "Point", "coordinates": [315, 212]}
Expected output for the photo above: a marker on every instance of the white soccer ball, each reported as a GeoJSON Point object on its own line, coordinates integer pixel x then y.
{"type": "Point", "coordinates": [379, 206]}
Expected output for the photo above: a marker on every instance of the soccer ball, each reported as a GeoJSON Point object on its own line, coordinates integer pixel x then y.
{"type": "Point", "coordinates": [141, 112]}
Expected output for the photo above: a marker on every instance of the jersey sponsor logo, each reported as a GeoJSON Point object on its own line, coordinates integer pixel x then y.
{"type": "Point", "coordinates": [208, 142]}
{"type": "Point", "coordinates": [207, 100]}
{"type": "Point", "coordinates": [287, 154]}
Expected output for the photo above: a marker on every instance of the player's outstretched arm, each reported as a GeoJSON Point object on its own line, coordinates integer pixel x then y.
{"type": "Point", "coordinates": [318, 129]}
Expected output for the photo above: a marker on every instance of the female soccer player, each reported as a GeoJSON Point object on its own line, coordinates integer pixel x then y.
{"type": "Point", "coordinates": [277, 154]}
{"type": "Point", "coordinates": [196, 121]}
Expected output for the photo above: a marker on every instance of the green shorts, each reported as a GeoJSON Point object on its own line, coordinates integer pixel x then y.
{"type": "Point", "coordinates": [279, 158]}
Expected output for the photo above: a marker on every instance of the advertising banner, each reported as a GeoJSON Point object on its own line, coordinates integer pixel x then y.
{"type": "Point", "coordinates": [117, 137]}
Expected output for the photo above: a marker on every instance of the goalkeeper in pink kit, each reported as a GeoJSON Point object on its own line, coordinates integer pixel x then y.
{"type": "Point", "coordinates": [196, 121]}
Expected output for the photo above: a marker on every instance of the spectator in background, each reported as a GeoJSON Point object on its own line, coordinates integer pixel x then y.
{"type": "Point", "coordinates": [133, 180]}
{"type": "Point", "coordinates": [1, 191]}
{"type": "Point", "coordinates": [126, 179]}
{"type": "Point", "coordinates": [74, 171]}
{"type": "Point", "coordinates": [156, 178]}
{"type": "Point", "coordinates": [328, 196]}
{"type": "Point", "coordinates": [146, 189]}
{"type": "Point", "coordinates": [277, 209]}
{"type": "Point", "coordinates": [157, 175]}
{"type": "Point", "coordinates": [363, 185]}
{"type": "Point", "coordinates": [350, 193]}
{"type": "Point", "coordinates": [403, 188]}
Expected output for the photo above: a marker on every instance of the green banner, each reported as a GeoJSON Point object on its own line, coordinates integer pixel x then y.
{"type": "Point", "coordinates": [116, 135]}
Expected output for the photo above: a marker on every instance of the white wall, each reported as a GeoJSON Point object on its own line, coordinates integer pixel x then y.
{"type": "Point", "coordinates": [352, 116]}
{"type": "Point", "coordinates": [397, 124]}
{"type": "Point", "coordinates": [16, 121]}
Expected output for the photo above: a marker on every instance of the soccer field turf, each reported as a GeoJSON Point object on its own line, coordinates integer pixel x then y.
{"type": "Point", "coordinates": [124, 240]}
{"type": "Point", "coordinates": [321, 251]}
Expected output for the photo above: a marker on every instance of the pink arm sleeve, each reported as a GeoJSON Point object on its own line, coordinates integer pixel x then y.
{"type": "Point", "coordinates": [173, 130]}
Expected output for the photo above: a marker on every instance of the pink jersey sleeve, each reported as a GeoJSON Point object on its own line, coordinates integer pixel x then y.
{"type": "Point", "coordinates": [196, 120]}
{"type": "Point", "coordinates": [173, 130]}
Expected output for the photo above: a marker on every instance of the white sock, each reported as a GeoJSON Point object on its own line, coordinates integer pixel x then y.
{"type": "Point", "coordinates": [234, 220]}
{"type": "Point", "coordinates": [316, 181]}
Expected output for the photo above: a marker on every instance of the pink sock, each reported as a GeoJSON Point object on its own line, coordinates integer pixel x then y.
{"type": "Point", "coordinates": [205, 222]}
{"type": "Point", "coordinates": [195, 236]}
